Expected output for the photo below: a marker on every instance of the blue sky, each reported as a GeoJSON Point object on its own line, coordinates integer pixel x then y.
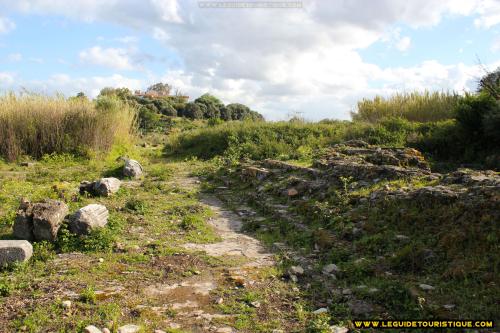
{"type": "Point", "coordinates": [317, 60]}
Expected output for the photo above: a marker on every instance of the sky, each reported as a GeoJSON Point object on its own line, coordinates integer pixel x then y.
{"type": "Point", "coordinates": [315, 60]}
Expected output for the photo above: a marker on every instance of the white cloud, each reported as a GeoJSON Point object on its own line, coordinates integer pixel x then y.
{"type": "Point", "coordinates": [15, 57]}
{"type": "Point", "coordinates": [276, 60]}
{"type": "Point", "coordinates": [115, 58]}
{"type": "Point", "coordinates": [68, 85]}
{"type": "Point", "coordinates": [127, 39]}
{"type": "Point", "coordinates": [489, 13]}
{"type": "Point", "coordinates": [6, 25]}
{"type": "Point", "coordinates": [403, 44]}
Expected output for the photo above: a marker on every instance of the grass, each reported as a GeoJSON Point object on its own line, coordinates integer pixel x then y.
{"type": "Point", "coordinates": [282, 140]}
{"type": "Point", "coordinates": [37, 125]}
{"type": "Point", "coordinates": [414, 106]}
{"type": "Point", "coordinates": [141, 246]}
{"type": "Point", "coordinates": [446, 246]}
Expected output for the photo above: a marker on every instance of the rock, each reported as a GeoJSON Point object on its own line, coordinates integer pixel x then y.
{"type": "Point", "coordinates": [224, 330]}
{"type": "Point", "coordinates": [360, 307]}
{"type": "Point", "coordinates": [346, 291]}
{"type": "Point", "coordinates": [23, 226]}
{"type": "Point", "coordinates": [294, 278]}
{"type": "Point", "coordinates": [159, 331]}
{"type": "Point", "coordinates": [331, 268]}
{"type": "Point", "coordinates": [338, 329]}
{"type": "Point", "coordinates": [39, 221]}
{"type": "Point", "coordinates": [132, 169]}
{"type": "Point", "coordinates": [91, 329]}
{"type": "Point", "coordinates": [291, 192]}
{"type": "Point", "coordinates": [254, 172]}
{"type": "Point", "coordinates": [320, 311]}
{"type": "Point", "coordinates": [47, 218]}
{"type": "Point", "coordinates": [296, 270]}
{"type": "Point", "coordinates": [219, 300]}
{"type": "Point", "coordinates": [88, 218]}
{"type": "Point", "coordinates": [255, 304]}
{"type": "Point", "coordinates": [101, 260]}
{"type": "Point", "coordinates": [129, 329]}
{"type": "Point", "coordinates": [238, 280]}
{"type": "Point", "coordinates": [14, 251]}
{"type": "Point", "coordinates": [102, 187]}
{"type": "Point", "coordinates": [449, 306]}
{"type": "Point", "coordinates": [106, 330]}
{"type": "Point", "coordinates": [426, 287]}
{"type": "Point", "coordinates": [66, 304]}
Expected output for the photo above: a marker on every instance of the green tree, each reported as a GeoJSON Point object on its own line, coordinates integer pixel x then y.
{"type": "Point", "coordinates": [490, 84]}
{"type": "Point", "coordinates": [212, 106]}
{"type": "Point", "coordinates": [193, 111]}
{"type": "Point", "coordinates": [161, 89]}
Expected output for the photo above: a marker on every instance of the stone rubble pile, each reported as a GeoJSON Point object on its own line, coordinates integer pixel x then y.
{"type": "Point", "coordinates": [41, 221]}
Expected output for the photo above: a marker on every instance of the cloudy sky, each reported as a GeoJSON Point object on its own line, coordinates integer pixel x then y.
{"type": "Point", "coordinates": [316, 60]}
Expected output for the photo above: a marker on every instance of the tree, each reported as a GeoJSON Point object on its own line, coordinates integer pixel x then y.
{"type": "Point", "coordinates": [226, 113]}
{"type": "Point", "coordinates": [212, 106]}
{"type": "Point", "coordinates": [122, 93]}
{"type": "Point", "coordinates": [237, 111]}
{"type": "Point", "coordinates": [490, 83]}
{"type": "Point", "coordinates": [193, 111]}
{"type": "Point", "coordinates": [161, 89]}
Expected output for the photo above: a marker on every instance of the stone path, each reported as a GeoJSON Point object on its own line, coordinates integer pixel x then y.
{"type": "Point", "coordinates": [190, 298]}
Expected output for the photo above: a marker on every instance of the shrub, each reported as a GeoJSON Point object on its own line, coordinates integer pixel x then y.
{"type": "Point", "coordinates": [237, 111]}
{"type": "Point", "coordinates": [148, 118]}
{"type": "Point", "coordinates": [490, 84]}
{"type": "Point", "coordinates": [192, 111]}
{"type": "Point", "coordinates": [37, 125]}
{"type": "Point", "coordinates": [254, 140]}
{"type": "Point", "coordinates": [479, 115]}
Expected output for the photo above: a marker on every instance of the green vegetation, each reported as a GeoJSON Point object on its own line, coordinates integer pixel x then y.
{"type": "Point", "coordinates": [156, 107]}
{"type": "Point", "coordinates": [37, 125]}
{"type": "Point", "coordinates": [113, 273]}
{"type": "Point", "coordinates": [415, 106]}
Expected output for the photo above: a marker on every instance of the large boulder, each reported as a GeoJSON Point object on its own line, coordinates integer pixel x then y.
{"type": "Point", "coordinates": [132, 169]}
{"type": "Point", "coordinates": [12, 251]}
{"type": "Point", "coordinates": [102, 187]}
{"type": "Point", "coordinates": [40, 220]}
{"type": "Point", "coordinates": [88, 218]}
{"type": "Point", "coordinates": [23, 224]}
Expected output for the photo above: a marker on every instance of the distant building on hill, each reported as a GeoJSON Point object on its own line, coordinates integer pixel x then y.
{"type": "Point", "coordinates": [155, 94]}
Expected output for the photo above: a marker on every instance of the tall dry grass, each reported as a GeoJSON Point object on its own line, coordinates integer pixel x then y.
{"type": "Point", "coordinates": [36, 125]}
{"type": "Point", "coordinates": [415, 106]}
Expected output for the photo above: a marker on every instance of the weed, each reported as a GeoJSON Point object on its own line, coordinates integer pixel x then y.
{"type": "Point", "coordinates": [136, 205]}
{"type": "Point", "coordinates": [88, 295]}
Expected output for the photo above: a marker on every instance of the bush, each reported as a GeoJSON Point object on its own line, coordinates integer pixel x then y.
{"type": "Point", "coordinates": [37, 125]}
{"type": "Point", "coordinates": [237, 111]}
{"type": "Point", "coordinates": [255, 140]}
{"type": "Point", "coordinates": [490, 84]}
{"type": "Point", "coordinates": [479, 116]}
{"type": "Point", "coordinates": [192, 111]}
{"type": "Point", "coordinates": [149, 119]}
